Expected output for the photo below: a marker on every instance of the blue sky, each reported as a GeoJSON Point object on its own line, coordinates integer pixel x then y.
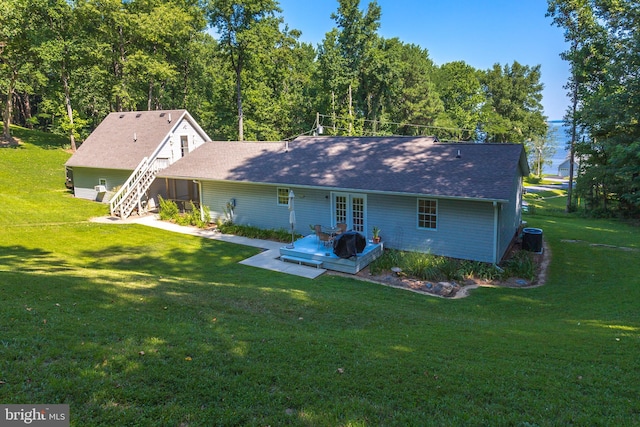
{"type": "Point", "coordinates": [479, 32]}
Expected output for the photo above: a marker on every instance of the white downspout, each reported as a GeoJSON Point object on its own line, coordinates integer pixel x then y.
{"type": "Point", "coordinates": [200, 199]}
{"type": "Point", "coordinates": [495, 233]}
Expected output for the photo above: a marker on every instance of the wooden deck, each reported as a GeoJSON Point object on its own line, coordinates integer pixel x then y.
{"type": "Point", "coordinates": [308, 248]}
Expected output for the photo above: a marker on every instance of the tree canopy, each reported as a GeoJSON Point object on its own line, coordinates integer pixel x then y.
{"type": "Point", "coordinates": [605, 89]}
{"type": "Point", "coordinates": [244, 74]}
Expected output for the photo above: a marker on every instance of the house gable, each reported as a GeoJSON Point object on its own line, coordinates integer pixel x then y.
{"type": "Point", "coordinates": [123, 139]}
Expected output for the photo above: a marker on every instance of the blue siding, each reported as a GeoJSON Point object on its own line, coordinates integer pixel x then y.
{"type": "Point", "coordinates": [465, 228]}
{"type": "Point", "coordinates": [85, 179]}
{"type": "Point", "coordinates": [510, 218]}
{"type": "Point", "coordinates": [257, 205]}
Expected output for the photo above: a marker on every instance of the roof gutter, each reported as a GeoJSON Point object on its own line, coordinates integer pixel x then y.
{"type": "Point", "coordinates": [345, 190]}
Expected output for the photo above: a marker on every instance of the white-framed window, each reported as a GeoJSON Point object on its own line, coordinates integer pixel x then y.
{"type": "Point", "coordinates": [184, 145]}
{"type": "Point", "coordinates": [283, 196]}
{"type": "Point", "coordinates": [102, 181]}
{"type": "Point", "coordinates": [427, 214]}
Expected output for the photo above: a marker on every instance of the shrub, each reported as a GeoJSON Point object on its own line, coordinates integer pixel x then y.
{"type": "Point", "coordinates": [438, 268]}
{"type": "Point", "coordinates": [533, 179]}
{"type": "Point", "coordinates": [521, 264]}
{"type": "Point", "coordinates": [419, 265]}
{"type": "Point", "coordinates": [168, 209]}
{"type": "Point", "coordinates": [279, 235]}
{"type": "Point", "coordinates": [480, 270]}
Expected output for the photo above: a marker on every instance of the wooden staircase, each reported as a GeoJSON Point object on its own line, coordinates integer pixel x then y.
{"type": "Point", "coordinates": [132, 193]}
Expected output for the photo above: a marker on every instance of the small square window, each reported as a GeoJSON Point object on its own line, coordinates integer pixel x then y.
{"type": "Point", "coordinates": [427, 214]}
{"type": "Point", "coordinates": [283, 196]}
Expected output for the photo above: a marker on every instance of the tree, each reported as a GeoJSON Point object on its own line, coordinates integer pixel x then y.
{"type": "Point", "coordinates": [416, 103]}
{"type": "Point", "coordinates": [58, 48]}
{"type": "Point", "coordinates": [541, 151]}
{"type": "Point", "coordinates": [161, 34]}
{"type": "Point", "coordinates": [579, 22]}
{"type": "Point", "coordinates": [512, 111]}
{"type": "Point", "coordinates": [461, 93]}
{"type": "Point", "coordinates": [331, 73]}
{"type": "Point", "coordinates": [17, 65]}
{"type": "Point", "coordinates": [240, 25]}
{"type": "Point", "coordinates": [604, 58]}
{"type": "Point", "coordinates": [354, 38]}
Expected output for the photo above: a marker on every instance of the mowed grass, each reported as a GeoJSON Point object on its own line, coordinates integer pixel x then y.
{"type": "Point", "coordinates": [135, 326]}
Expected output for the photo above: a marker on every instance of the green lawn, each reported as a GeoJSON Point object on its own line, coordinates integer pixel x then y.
{"type": "Point", "coordinates": [133, 326]}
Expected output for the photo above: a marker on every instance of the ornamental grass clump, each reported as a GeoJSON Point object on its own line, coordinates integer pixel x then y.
{"type": "Point", "coordinates": [521, 264]}
{"type": "Point", "coordinates": [252, 232]}
{"type": "Point", "coordinates": [435, 268]}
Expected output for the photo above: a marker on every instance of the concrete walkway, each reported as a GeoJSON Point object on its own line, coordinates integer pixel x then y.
{"type": "Point", "coordinates": [267, 259]}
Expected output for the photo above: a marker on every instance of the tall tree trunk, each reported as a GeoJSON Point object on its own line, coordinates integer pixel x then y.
{"type": "Point", "coordinates": [27, 111]}
{"type": "Point", "coordinates": [67, 103]}
{"type": "Point", "coordinates": [574, 109]}
{"type": "Point", "coordinates": [572, 149]}
{"type": "Point", "coordinates": [23, 104]}
{"type": "Point", "coordinates": [240, 113]}
{"type": "Point", "coordinates": [333, 110]}
{"type": "Point", "coordinates": [8, 108]}
{"type": "Point", "coordinates": [239, 100]}
{"type": "Point", "coordinates": [118, 70]}
{"type": "Point", "coordinates": [185, 88]}
{"type": "Point", "coordinates": [350, 95]}
{"type": "Point", "coordinates": [150, 95]}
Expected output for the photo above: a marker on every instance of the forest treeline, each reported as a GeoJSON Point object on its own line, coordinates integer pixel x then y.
{"type": "Point", "coordinates": [239, 69]}
{"type": "Point", "coordinates": [604, 90]}
{"type": "Point", "coordinates": [243, 73]}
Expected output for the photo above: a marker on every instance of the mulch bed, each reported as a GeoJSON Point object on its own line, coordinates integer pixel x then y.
{"type": "Point", "coordinates": [458, 289]}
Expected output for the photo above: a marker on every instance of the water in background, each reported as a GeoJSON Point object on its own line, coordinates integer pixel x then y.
{"type": "Point", "coordinates": [559, 132]}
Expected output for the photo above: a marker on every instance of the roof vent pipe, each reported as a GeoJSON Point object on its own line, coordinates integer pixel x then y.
{"type": "Point", "coordinates": [286, 146]}
{"type": "Point", "coordinates": [458, 155]}
{"type": "Point", "coordinates": [169, 119]}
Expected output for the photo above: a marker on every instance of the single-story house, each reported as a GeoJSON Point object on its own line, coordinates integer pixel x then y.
{"type": "Point", "coordinates": [461, 200]}
{"type": "Point", "coordinates": [125, 152]}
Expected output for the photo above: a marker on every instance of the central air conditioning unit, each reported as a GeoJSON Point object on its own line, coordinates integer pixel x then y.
{"type": "Point", "coordinates": [100, 188]}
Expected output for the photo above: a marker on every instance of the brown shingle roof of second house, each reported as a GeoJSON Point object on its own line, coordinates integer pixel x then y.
{"type": "Point", "coordinates": [410, 165]}
{"type": "Point", "coordinates": [123, 139]}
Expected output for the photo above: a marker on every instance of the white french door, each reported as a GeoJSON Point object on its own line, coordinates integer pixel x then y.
{"type": "Point", "coordinates": [350, 208]}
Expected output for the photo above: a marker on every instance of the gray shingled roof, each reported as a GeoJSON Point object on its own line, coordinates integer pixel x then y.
{"type": "Point", "coordinates": [111, 145]}
{"type": "Point", "coordinates": [411, 165]}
